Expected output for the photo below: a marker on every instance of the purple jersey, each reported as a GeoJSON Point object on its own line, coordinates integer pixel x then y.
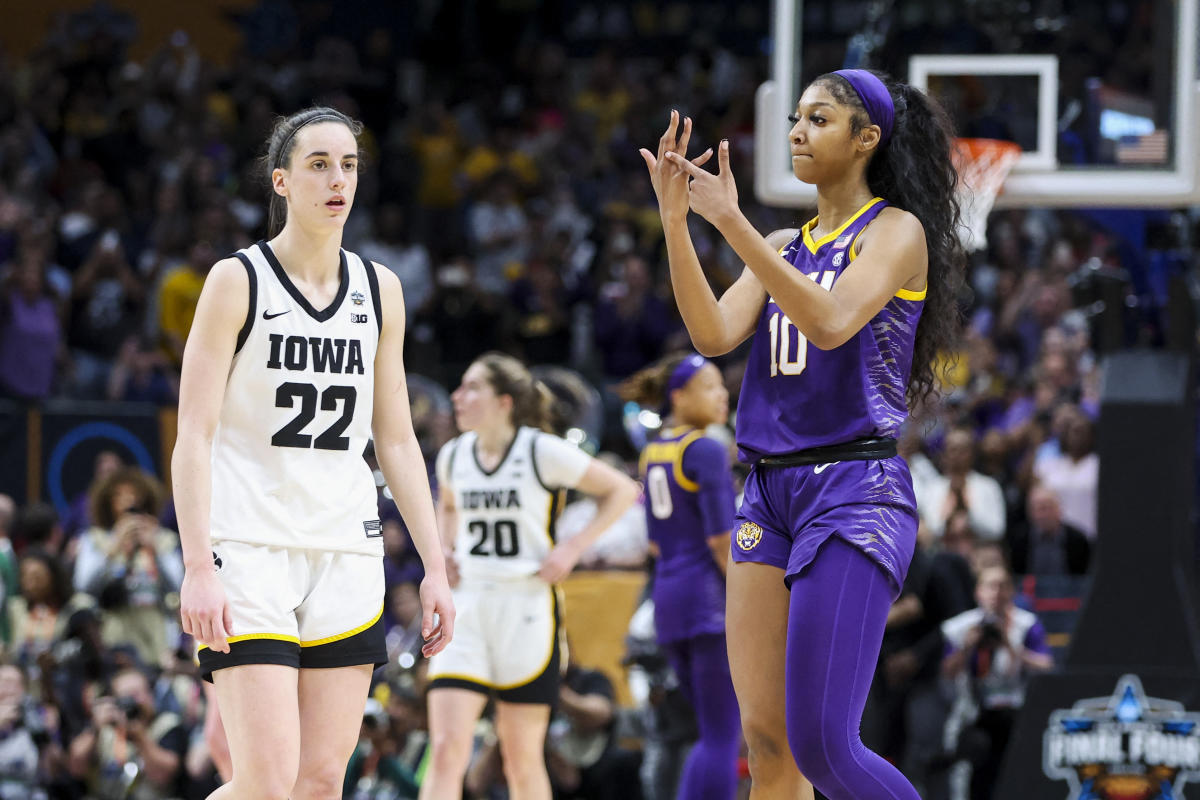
{"type": "Point", "coordinates": [689, 498]}
{"type": "Point", "coordinates": [795, 396]}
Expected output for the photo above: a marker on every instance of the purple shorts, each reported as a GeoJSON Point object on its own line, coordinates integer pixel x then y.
{"type": "Point", "coordinates": [787, 513]}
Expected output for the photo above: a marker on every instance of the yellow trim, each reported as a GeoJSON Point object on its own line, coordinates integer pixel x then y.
{"type": "Point", "coordinates": [903, 294]}
{"type": "Point", "coordinates": [829, 237]}
{"type": "Point", "coordinates": [684, 482]}
{"type": "Point", "coordinates": [554, 634]}
{"type": "Point", "coordinates": [279, 637]}
{"type": "Point", "coordinates": [346, 635]}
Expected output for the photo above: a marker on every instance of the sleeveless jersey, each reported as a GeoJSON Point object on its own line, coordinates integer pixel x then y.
{"type": "Point", "coordinates": [690, 497]}
{"type": "Point", "coordinates": [506, 516]}
{"type": "Point", "coordinates": [287, 458]}
{"type": "Point", "coordinates": [795, 396]}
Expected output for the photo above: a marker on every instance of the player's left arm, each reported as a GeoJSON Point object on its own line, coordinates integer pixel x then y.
{"type": "Point", "coordinates": [893, 256]}
{"type": "Point", "coordinates": [614, 494]}
{"type": "Point", "coordinates": [399, 456]}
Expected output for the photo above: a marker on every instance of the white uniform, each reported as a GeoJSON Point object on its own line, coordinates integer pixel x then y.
{"type": "Point", "coordinates": [506, 627]}
{"type": "Point", "coordinates": [294, 519]}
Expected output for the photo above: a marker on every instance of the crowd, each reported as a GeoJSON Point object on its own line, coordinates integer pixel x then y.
{"type": "Point", "coordinates": [510, 200]}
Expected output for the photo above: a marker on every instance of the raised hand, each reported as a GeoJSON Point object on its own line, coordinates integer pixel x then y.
{"type": "Point", "coordinates": [669, 179]}
{"type": "Point", "coordinates": [713, 197]}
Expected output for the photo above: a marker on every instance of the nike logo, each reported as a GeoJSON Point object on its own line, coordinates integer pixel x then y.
{"type": "Point", "coordinates": [817, 470]}
{"type": "Point", "coordinates": [269, 315]}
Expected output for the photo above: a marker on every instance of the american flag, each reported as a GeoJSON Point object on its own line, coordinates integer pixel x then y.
{"type": "Point", "coordinates": [1147, 148]}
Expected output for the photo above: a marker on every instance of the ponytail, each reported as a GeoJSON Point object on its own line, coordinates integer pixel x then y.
{"type": "Point", "coordinates": [914, 171]}
{"type": "Point", "coordinates": [648, 387]}
{"type": "Point", "coordinates": [533, 402]}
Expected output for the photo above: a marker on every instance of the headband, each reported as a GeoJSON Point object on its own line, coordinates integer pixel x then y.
{"type": "Point", "coordinates": [322, 117]}
{"type": "Point", "coordinates": [684, 372]}
{"type": "Point", "coordinates": [881, 110]}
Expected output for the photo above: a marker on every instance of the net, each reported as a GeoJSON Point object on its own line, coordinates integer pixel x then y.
{"type": "Point", "coordinates": [982, 165]}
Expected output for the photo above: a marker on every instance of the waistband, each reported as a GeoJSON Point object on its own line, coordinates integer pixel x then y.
{"type": "Point", "coordinates": [869, 449]}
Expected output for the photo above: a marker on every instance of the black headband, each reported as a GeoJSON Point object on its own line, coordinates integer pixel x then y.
{"type": "Point", "coordinates": [322, 117]}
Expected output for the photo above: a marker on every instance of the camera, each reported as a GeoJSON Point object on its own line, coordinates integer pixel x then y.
{"type": "Point", "coordinates": [130, 708]}
{"type": "Point", "coordinates": [990, 634]}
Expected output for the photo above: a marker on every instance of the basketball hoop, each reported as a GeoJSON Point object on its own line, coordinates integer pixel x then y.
{"type": "Point", "coordinates": [982, 165]}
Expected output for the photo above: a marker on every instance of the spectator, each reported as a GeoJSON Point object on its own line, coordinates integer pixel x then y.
{"type": "Point", "coordinates": [582, 756]}
{"type": "Point", "coordinates": [106, 307]}
{"type": "Point", "coordinates": [498, 230]}
{"type": "Point", "coordinates": [178, 295]}
{"type": "Point", "coordinates": [130, 750]}
{"type": "Point", "coordinates": [1046, 545]}
{"type": "Point", "coordinates": [393, 246]}
{"type": "Point", "coordinates": [632, 323]}
{"type": "Point", "coordinates": [31, 332]}
{"type": "Point", "coordinates": [22, 729]}
{"type": "Point", "coordinates": [1074, 474]}
{"type": "Point", "coordinates": [142, 374]}
{"type": "Point", "coordinates": [991, 651]}
{"type": "Point", "coordinates": [129, 563]}
{"type": "Point", "coordinates": [79, 516]}
{"type": "Point", "coordinates": [39, 614]}
{"type": "Point", "coordinates": [960, 487]}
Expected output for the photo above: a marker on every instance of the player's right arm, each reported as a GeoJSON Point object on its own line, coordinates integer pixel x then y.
{"type": "Point", "coordinates": [207, 356]}
{"type": "Point", "coordinates": [715, 326]}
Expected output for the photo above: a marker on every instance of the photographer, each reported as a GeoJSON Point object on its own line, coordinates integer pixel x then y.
{"type": "Point", "coordinates": [991, 651]}
{"type": "Point", "coordinates": [129, 563]}
{"type": "Point", "coordinates": [24, 728]}
{"type": "Point", "coordinates": [129, 751]}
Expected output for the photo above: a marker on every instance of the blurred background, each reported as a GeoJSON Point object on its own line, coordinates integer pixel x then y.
{"type": "Point", "coordinates": [502, 184]}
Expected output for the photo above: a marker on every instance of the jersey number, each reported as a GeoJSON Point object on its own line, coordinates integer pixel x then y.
{"type": "Point", "coordinates": [660, 492]}
{"type": "Point", "coordinates": [290, 435]}
{"type": "Point", "coordinates": [502, 534]}
{"type": "Point", "coordinates": [782, 331]}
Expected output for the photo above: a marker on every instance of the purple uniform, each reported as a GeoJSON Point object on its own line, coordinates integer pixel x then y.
{"type": "Point", "coordinates": [795, 397]}
{"type": "Point", "coordinates": [690, 498]}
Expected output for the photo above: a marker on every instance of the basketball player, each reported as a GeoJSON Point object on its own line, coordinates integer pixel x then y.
{"type": "Point", "coordinates": [847, 315]}
{"type": "Point", "coordinates": [689, 514]}
{"type": "Point", "coordinates": [293, 362]}
{"type": "Point", "coordinates": [500, 487]}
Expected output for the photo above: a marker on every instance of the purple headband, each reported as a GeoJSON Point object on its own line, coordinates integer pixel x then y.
{"type": "Point", "coordinates": [875, 98]}
{"type": "Point", "coordinates": [684, 372]}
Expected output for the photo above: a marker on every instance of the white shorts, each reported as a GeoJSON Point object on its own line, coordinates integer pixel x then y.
{"type": "Point", "coordinates": [506, 642]}
{"type": "Point", "coordinates": [300, 608]}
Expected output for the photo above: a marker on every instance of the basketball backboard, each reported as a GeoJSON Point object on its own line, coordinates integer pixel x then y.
{"type": "Point", "coordinates": [1102, 97]}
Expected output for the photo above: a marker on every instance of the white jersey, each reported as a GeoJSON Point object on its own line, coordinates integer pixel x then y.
{"type": "Point", "coordinates": [287, 458]}
{"type": "Point", "coordinates": [506, 517]}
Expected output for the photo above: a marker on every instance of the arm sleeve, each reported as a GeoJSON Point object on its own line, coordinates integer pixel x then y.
{"type": "Point", "coordinates": [707, 463]}
{"type": "Point", "coordinates": [1035, 639]}
{"type": "Point", "coordinates": [558, 463]}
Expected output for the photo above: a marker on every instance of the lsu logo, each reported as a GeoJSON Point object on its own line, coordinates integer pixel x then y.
{"type": "Point", "coordinates": [749, 534]}
{"type": "Point", "coordinates": [1124, 747]}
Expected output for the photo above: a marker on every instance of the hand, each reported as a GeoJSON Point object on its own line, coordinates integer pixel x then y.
{"type": "Point", "coordinates": [973, 637]}
{"type": "Point", "coordinates": [713, 197]}
{"type": "Point", "coordinates": [205, 610]}
{"type": "Point", "coordinates": [436, 599]}
{"type": "Point", "coordinates": [559, 563]}
{"type": "Point", "coordinates": [10, 714]}
{"type": "Point", "coordinates": [105, 712]}
{"type": "Point", "coordinates": [667, 178]}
